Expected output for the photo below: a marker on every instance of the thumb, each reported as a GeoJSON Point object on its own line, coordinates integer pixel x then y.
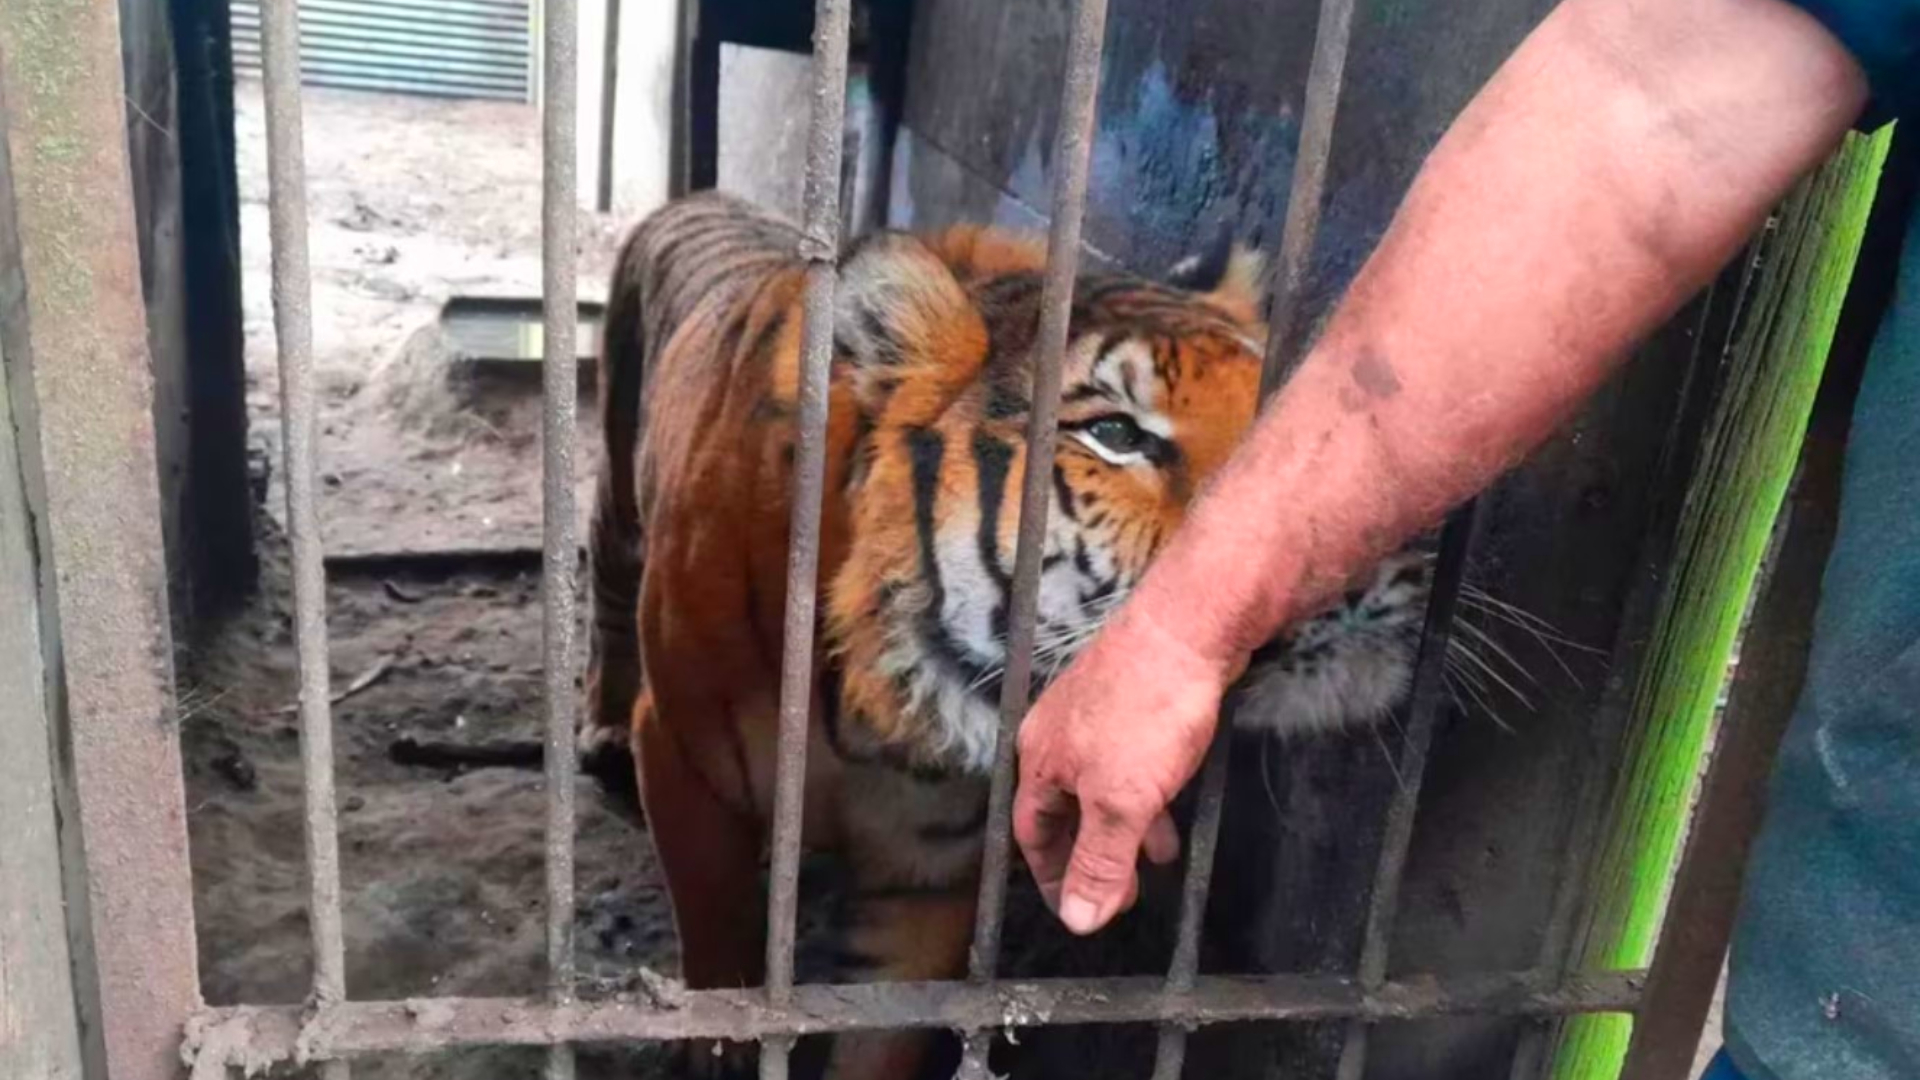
{"type": "Point", "coordinates": [1100, 875]}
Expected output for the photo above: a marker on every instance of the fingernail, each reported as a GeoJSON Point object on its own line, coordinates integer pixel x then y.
{"type": "Point", "coordinates": [1079, 914]}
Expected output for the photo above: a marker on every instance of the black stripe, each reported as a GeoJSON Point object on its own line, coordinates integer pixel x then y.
{"type": "Point", "coordinates": [1064, 494]}
{"type": "Point", "coordinates": [769, 330]}
{"type": "Point", "coordinates": [992, 460]}
{"type": "Point", "coordinates": [886, 345]}
{"type": "Point", "coordinates": [926, 450]}
{"type": "Point", "coordinates": [1004, 400]}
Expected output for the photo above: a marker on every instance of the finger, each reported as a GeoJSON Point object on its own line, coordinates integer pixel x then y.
{"type": "Point", "coordinates": [1163, 841]}
{"type": "Point", "coordinates": [1043, 825]}
{"type": "Point", "coordinates": [1101, 870]}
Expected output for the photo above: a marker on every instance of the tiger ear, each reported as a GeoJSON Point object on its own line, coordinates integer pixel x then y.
{"type": "Point", "coordinates": [900, 316]}
{"type": "Point", "coordinates": [1229, 275]}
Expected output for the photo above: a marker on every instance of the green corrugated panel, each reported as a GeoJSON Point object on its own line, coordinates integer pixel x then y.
{"type": "Point", "coordinates": [452, 48]}
{"type": "Point", "coordinates": [1741, 480]}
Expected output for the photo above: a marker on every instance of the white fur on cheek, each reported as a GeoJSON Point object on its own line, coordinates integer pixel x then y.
{"type": "Point", "coordinates": [1357, 665]}
{"type": "Point", "coordinates": [1361, 684]}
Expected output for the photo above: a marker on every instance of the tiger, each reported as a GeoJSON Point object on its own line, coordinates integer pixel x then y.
{"type": "Point", "coordinates": [934, 338]}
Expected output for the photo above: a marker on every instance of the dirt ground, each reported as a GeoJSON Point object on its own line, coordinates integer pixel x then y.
{"type": "Point", "coordinates": [413, 201]}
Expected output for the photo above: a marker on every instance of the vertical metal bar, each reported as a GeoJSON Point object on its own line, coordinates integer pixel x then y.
{"type": "Point", "coordinates": [1079, 99]}
{"type": "Point", "coordinates": [609, 93]}
{"type": "Point", "coordinates": [1428, 697]}
{"type": "Point", "coordinates": [1072, 147]}
{"type": "Point", "coordinates": [79, 384]}
{"type": "Point", "coordinates": [293, 332]}
{"type": "Point", "coordinates": [680, 122]}
{"type": "Point", "coordinates": [1170, 1052]}
{"type": "Point", "coordinates": [560, 556]}
{"type": "Point", "coordinates": [819, 247]}
{"type": "Point", "coordinates": [1307, 198]}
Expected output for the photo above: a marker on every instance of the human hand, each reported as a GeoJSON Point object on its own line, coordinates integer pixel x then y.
{"type": "Point", "coordinates": [1102, 754]}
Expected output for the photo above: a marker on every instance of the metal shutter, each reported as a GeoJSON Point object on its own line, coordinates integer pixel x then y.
{"type": "Point", "coordinates": [448, 48]}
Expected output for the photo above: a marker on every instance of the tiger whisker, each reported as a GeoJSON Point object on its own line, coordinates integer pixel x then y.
{"type": "Point", "coordinates": [1547, 643]}
{"type": "Point", "coordinates": [1512, 613]}
{"type": "Point", "coordinates": [1492, 674]}
{"type": "Point", "coordinates": [1534, 630]}
{"type": "Point", "coordinates": [1481, 636]}
{"type": "Point", "coordinates": [1393, 764]}
{"type": "Point", "coordinates": [1458, 673]}
{"type": "Point", "coordinates": [1462, 678]}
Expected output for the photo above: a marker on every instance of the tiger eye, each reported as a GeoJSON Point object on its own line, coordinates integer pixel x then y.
{"type": "Point", "coordinates": [1118, 433]}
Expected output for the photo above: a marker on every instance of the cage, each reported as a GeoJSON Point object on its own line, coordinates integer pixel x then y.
{"type": "Point", "coordinates": [1459, 900]}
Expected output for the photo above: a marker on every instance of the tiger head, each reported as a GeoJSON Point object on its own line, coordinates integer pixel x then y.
{"type": "Point", "coordinates": [935, 342]}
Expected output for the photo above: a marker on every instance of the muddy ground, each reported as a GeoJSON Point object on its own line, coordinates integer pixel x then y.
{"type": "Point", "coordinates": [413, 201]}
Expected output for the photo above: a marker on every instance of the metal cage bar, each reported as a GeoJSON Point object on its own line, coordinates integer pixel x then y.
{"type": "Point", "coordinates": [293, 333]}
{"type": "Point", "coordinates": [1071, 153]}
{"type": "Point", "coordinates": [332, 1028]}
{"type": "Point", "coordinates": [1170, 1050]}
{"type": "Point", "coordinates": [254, 1034]}
{"type": "Point", "coordinates": [1383, 904]}
{"type": "Point", "coordinates": [1301, 230]}
{"type": "Point", "coordinates": [819, 248]}
{"type": "Point", "coordinates": [560, 554]}
{"type": "Point", "coordinates": [1326, 79]}
{"type": "Point", "coordinates": [78, 386]}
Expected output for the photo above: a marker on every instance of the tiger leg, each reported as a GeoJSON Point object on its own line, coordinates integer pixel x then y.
{"type": "Point", "coordinates": [915, 846]}
{"type": "Point", "coordinates": [709, 852]}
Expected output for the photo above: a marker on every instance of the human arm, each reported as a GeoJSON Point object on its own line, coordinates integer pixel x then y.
{"type": "Point", "coordinates": [1609, 169]}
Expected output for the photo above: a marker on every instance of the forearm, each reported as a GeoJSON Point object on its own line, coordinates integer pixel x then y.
{"type": "Point", "coordinates": [1603, 176]}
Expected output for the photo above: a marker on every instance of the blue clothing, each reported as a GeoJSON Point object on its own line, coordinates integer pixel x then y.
{"type": "Point", "coordinates": [1722, 1068]}
{"type": "Point", "coordinates": [1825, 974]}
{"type": "Point", "coordinates": [1884, 35]}
{"type": "Point", "coordinates": [1825, 981]}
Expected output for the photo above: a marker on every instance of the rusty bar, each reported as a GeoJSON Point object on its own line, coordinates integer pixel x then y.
{"type": "Point", "coordinates": [268, 1034]}
{"type": "Point", "coordinates": [1071, 151]}
{"type": "Point", "coordinates": [1428, 697]}
{"type": "Point", "coordinates": [609, 91]}
{"type": "Point", "coordinates": [819, 247]}
{"type": "Point", "coordinates": [1170, 1052]}
{"type": "Point", "coordinates": [79, 385]}
{"type": "Point", "coordinates": [293, 333]}
{"type": "Point", "coordinates": [1306, 199]}
{"type": "Point", "coordinates": [560, 559]}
